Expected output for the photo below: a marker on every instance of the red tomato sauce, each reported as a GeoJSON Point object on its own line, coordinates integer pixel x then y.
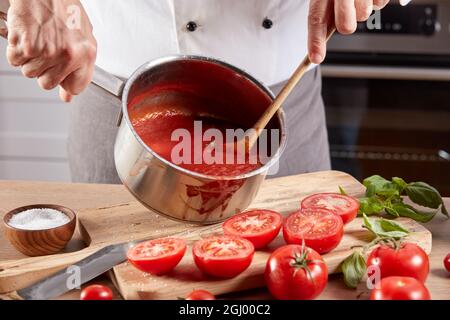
{"type": "Point", "coordinates": [156, 128]}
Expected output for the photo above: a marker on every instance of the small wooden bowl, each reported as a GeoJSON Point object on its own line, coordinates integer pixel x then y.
{"type": "Point", "coordinates": [40, 242]}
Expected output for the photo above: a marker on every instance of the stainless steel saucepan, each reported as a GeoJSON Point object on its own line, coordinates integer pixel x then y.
{"type": "Point", "coordinates": [208, 86]}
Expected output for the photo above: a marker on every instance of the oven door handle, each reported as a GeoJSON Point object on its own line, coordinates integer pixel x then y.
{"type": "Point", "coordinates": [444, 155]}
{"type": "Point", "coordinates": [385, 72]}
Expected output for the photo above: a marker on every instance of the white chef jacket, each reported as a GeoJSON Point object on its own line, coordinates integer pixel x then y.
{"type": "Point", "coordinates": [132, 32]}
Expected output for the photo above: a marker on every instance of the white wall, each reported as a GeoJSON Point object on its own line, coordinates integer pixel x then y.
{"type": "Point", "coordinates": [33, 128]}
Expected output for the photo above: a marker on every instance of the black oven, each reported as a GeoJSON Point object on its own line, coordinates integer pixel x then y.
{"type": "Point", "coordinates": [387, 96]}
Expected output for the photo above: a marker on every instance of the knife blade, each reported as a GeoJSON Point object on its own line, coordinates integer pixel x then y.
{"type": "Point", "coordinates": [87, 269]}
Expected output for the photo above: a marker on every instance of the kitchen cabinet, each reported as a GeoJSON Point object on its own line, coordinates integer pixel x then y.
{"type": "Point", "coordinates": [33, 128]}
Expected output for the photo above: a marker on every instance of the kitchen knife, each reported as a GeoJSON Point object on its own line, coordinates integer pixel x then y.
{"type": "Point", "coordinates": [85, 270]}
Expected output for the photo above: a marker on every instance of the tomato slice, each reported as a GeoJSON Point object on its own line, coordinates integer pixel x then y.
{"type": "Point", "coordinates": [321, 229]}
{"type": "Point", "coordinates": [259, 227]}
{"type": "Point", "coordinates": [344, 206]}
{"type": "Point", "coordinates": [157, 256]}
{"type": "Point", "coordinates": [223, 257]}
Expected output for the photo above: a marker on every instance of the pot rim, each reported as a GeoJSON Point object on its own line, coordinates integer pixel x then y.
{"type": "Point", "coordinates": [171, 58]}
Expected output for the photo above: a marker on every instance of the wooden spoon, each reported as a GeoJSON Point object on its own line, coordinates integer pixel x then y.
{"type": "Point", "coordinates": [281, 98]}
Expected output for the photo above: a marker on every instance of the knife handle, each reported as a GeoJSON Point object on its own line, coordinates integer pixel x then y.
{"type": "Point", "coordinates": [10, 296]}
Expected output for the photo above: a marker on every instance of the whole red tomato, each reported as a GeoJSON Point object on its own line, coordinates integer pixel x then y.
{"type": "Point", "coordinates": [223, 257]}
{"type": "Point", "coordinates": [400, 288]}
{"type": "Point", "coordinates": [447, 262]}
{"type": "Point", "coordinates": [295, 272]}
{"type": "Point", "coordinates": [409, 260]}
{"type": "Point", "coordinates": [96, 292]}
{"type": "Point", "coordinates": [200, 295]}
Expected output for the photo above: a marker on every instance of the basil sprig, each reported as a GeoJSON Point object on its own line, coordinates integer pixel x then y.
{"type": "Point", "coordinates": [354, 266]}
{"type": "Point", "coordinates": [386, 196]}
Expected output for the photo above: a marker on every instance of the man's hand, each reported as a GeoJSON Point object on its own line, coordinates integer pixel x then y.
{"type": "Point", "coordinates": [47, 45]}
{"type": "Point", "coordinates": [343, 13]}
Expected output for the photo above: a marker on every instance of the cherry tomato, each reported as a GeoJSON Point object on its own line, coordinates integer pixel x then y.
{"type": "Point", "coordinates": [223, 257]}
{"type": "Point", "coordinates": [157, 256]}
{"type": "Point", "coordinates": [447, 262]}
{"type": "Point", "coordinates": [344, 206]}
{"type": "Point", "coordinates": [259, 227]}
{"type": "Point", "coordinates": [295, 272]}
{"type": "Point", "coordinates": [200, 295]}
{"type": "Point", "coordinates": [400, 288]}
{"type": "Point", "coordinates": [409, 260]}
{"type": "Point", "coordinates": [319, 228]}
{"type": "Point", "coordinates": [96, 292]}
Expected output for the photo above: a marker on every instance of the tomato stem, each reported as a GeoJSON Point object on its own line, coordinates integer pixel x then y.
{"type": "Point", "coordinates": [300, 261]}
{"type": "Point", "coordinates": [394, 243]}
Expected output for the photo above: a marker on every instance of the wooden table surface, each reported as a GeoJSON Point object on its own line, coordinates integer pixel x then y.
{"type": "Point", "coordinates": [78, 196]}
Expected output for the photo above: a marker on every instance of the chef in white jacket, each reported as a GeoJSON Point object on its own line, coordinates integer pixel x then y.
{"type": "Point", "coordinates": [267, 38]}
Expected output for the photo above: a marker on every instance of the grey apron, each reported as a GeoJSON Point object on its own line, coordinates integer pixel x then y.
{"type": "Point", "coordinates": [93, 131]}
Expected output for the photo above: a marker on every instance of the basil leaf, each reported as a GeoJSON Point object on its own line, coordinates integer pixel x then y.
{"type": "Point", "coordinates": [342, 191]}
{"type": "Point", "coordinates": [371, 191]}
{"type": "Point", "coordinates": [388, 225]}
{"type": "Point", "coordinates": [354, 269]}
{"type": "Point", "coordinates": [376, 180]}
{"type": "Point", "coordinates": [370, 206]}
{"type": "Point", "coordinates": [392, 212]}
{"type": "Point", "coordinates": [405, 210]}
{"type": "Point", "coordinates": [389, 191]}
{"type": "Point", "coordinates": [385, 228]}
{"type": "Point", "coordinates": [400, 183]}
{"type": "Point", "coordinates": [425, 195]}
{"type": "Point", "coordinates": [374, 184]}
{"type": "Point", "coordinates": [368, 224]}
{"type": "Point", "coordinates": [393, 234]}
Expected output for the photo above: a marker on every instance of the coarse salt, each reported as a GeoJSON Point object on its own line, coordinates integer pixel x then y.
{"type": "Point", "coordinates": [38, 219]}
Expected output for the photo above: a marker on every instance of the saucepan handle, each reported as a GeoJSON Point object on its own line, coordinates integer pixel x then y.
{"type": "Point", "coordinates": [101, 78]}
{"type": "Point", "coordinates": [111, 84]}
{"type": "Point", "coordinates": [108, 82]}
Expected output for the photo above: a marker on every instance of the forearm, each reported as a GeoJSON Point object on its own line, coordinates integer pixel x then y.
{"type": "Point", "coordinates": [47, 44]}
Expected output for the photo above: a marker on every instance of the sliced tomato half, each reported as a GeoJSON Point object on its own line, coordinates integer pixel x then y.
{"type": "Point", "coordinates": [344, 206]}
{"type": "Point", "coordinates": [321, 229]}
{"type": "Point", "coordinates": [157, 256]}
{"type": "Point", "coordinates": [223, 257]}
{"type": "Point", "coordinates": [260, 227]}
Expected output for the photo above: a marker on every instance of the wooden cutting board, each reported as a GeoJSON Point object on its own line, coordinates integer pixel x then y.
{"type": "Point", "coordinates": [136, 285]}
{"type": "Point", "coordinates": [122, 219]}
